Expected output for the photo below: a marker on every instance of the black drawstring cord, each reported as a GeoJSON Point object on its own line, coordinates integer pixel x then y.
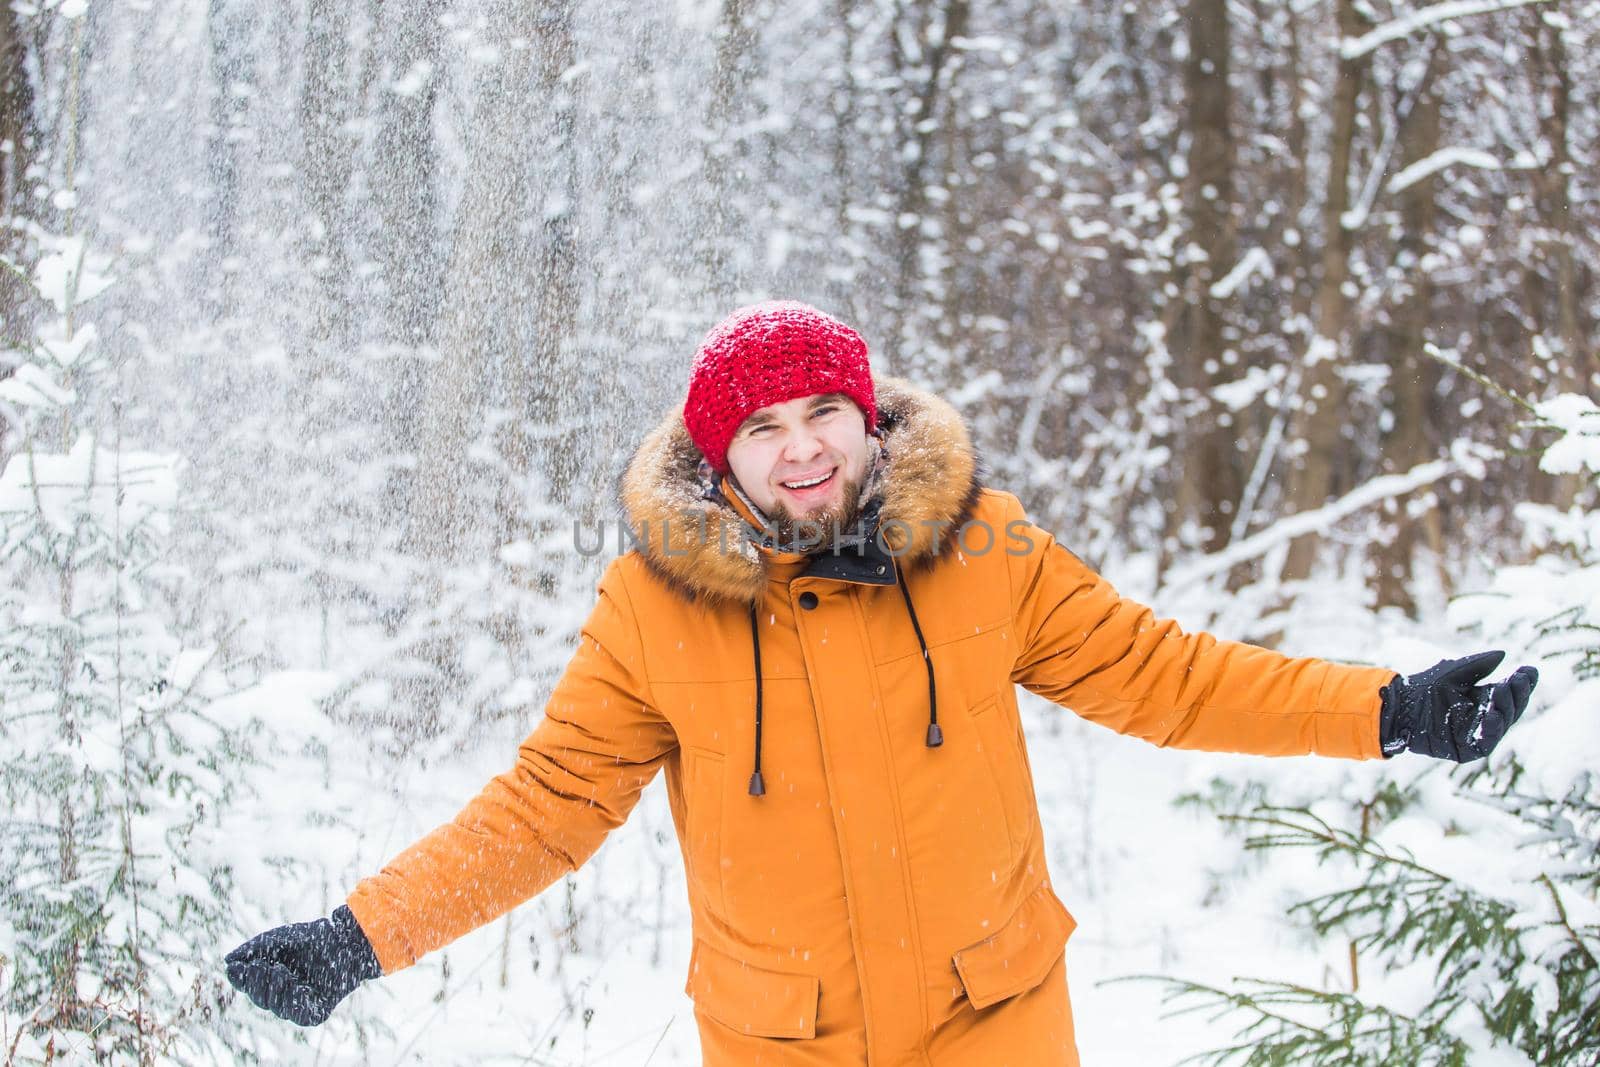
{"type": "Point", "coordinates": [757, 786]}
{"type": "Point", "coordinates": [935, 735]}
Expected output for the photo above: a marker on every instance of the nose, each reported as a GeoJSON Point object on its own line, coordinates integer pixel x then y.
{"type": "Point", "coordinates": [803, 445]}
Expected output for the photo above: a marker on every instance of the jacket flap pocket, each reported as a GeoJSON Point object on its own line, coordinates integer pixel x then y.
{"type": "Point", "coordinates": [1020, 954]}
{"type": "Point", "coordinates": [752, 1000]}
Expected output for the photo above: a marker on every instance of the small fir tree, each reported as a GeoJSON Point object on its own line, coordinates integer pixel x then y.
{"type": "Point", "coordinates": [111, 772]}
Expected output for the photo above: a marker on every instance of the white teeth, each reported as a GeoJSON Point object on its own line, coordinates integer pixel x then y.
{"type": "Point", "coordinates": [815, 481]}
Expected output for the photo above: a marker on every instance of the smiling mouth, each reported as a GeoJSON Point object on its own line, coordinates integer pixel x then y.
{"type": "Point", "coordinates": [806, 485]}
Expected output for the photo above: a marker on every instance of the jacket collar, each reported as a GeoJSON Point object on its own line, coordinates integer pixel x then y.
{"type": "Point", "coordinates": [691, 535]}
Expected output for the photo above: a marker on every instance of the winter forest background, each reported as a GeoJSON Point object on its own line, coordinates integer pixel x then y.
{"type": "Point", "coordinates": [323, 320]}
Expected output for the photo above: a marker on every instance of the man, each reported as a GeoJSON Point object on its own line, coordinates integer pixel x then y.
{"type": "Point", "coordinates": [837, 720]}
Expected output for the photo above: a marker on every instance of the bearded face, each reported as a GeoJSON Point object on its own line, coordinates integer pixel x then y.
{"type": "Point", "coordinates": [816, 529]}
{"type": "Point", "coordinates": [803, 463]}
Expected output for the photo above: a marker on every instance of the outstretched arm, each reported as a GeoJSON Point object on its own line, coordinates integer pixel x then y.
{"type": "Point", "coordinates": [576, 778]}
{"type": "Point", "coordinates": [1113, 662]}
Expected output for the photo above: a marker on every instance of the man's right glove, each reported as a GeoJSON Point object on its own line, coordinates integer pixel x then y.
{"type": "Point", "coordinates": [301, 971]}
{"type": "Point", "coordinates": [1443, 712]}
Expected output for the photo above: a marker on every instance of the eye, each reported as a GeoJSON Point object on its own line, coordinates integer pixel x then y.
{"type": "Point", "coordinates": [826, 409]}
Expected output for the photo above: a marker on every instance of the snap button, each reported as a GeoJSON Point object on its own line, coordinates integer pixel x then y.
{"type": "Point", "coordinates": [808, 600]}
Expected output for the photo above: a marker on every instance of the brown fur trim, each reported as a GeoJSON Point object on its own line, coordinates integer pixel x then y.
{"type": "Point", "coordinates": [693, 544]}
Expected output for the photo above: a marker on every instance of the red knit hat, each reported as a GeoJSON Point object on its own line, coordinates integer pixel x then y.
{"type": "Point", "coordinates": [768, 353]}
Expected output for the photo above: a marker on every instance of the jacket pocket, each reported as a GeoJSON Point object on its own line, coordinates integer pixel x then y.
{"type": "Point", "coordinates": [752, 1000]}
{"type": "Point", "coordinates": [704, 802]}
{"type": "Point", "coordinates": [997, 735]}
{"type": "Point", "coordinates": [1018, 956]}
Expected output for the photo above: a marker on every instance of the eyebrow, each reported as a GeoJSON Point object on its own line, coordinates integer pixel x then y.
{"type": "Point", "coordinates": [816, 402]}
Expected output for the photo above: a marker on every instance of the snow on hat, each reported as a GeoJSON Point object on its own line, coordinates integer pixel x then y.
{"type": "Point", "coordinates": [769, 353]}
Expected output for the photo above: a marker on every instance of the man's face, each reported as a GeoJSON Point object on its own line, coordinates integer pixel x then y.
{"type": "Point", "coordinates": [782, 450]}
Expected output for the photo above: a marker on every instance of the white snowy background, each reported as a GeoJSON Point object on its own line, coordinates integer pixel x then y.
{"type": "Point", "coordinates": [316, 371]}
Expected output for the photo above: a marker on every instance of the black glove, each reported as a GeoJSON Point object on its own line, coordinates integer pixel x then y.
{"type": "Point", "coordinates": [301, 971]}
{"type": "Point", "coordinates": [1444, 713]}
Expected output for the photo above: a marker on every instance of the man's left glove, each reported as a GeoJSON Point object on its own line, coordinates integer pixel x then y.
{"type": "Point", "coordinates": [301, 971]}
{"type": "Point", "coordinates": [1443, 712]}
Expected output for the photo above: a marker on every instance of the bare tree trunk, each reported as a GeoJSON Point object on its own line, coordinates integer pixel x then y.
{"type": "Point", "coordinates": [405, 183]}
{"type": "Point", "coordinates": [484, 283]}
{"type": "Point", "coordinates": [64, 982]}
{"type": "Point", "coordinates": [483, 280]}
{"type": "Point", "coordinates": [18, 142]}
{"type": "Point", "coordinates": [1553, 188]}
{"type": "Point", "coordinates": [406, 173]}
{"type": "Point", "coordinates": [1290, 185]}
{"type": "Point", "coordinates": [1412, 377]}
{"type": "Point", "coordinates": [1212, 477]}
{"type": "Point", "coordinates": [846, 108]}
{"type": "Point", "coordinates": [1316, 424]}
{"type": "Point", "coordinates": [913, 194]}
{"type": "Point", "coordinates": [1554, 278]}
{"type": "Point", "coordinates": [326, 165]}
{"type": "Point", "coordinates": [228, 74]}
{"type": "Point", "coordinates": [546, 386]}
{"type": "Point", "coordinates": [1299, 161]}
{"type": "Point", "coordinates": [725, 146]}
{"type": "Point", "coordinates": [555, 392]}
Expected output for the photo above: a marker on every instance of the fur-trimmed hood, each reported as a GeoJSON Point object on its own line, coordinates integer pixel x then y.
{"type": "Point", "coordinates": [694, 542]}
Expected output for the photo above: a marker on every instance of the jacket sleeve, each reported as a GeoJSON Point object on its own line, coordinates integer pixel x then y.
{"type": "Point", "coordinates": [1113, 662]}
{"type": "Point", "coordinates": [576, 778]}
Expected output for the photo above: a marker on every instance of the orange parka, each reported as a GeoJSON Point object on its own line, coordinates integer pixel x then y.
{"type": "Point", "coordinates": [885, 899]}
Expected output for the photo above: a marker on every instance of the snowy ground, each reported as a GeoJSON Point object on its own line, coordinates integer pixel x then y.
{"type": "Point", "coordinates": [1155, 889]}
